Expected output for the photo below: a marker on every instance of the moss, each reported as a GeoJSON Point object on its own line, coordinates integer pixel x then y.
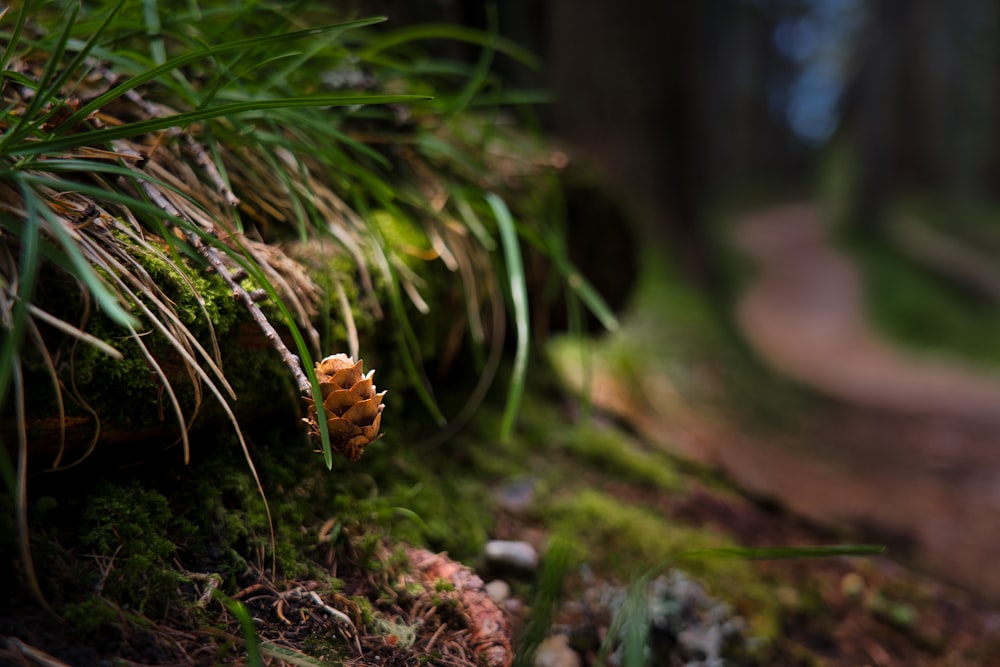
{"type": "Point", "coordinates": [622, 456]}
{"type": "Point", "coordinates": [923, 310]}
{"type": "Point", "coordinates": [451, 514]}
{"type": "Point", "coordinates": [128, 526]}
{"type": "Point", "coordinates": [630, 541]}
{"type": "Point", "coordinates": [405, 237]}
{"type": "Point", "coordinates": [92, 616]}
{"type": "Point", "coordinates": [624, 539]}
{"type": "Point", "coordinates": [126, 392]}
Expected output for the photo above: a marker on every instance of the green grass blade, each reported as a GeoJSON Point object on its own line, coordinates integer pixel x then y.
{"type": "Point", "coordinates": [519, 300]}
{"type": "Point", "coordinates": [481, 73]}
{"type": "Point", "coordinates": [194, 56]}
{"type": "Point", "coordinates": [45, 91]}
{"type": "Point", "coordinates": [81, 268]}
{"type": "Point", "coordinates": [15, 37]}
{"type": "Point", "coordinates": [557, 564]}
{"type": "Point", "coordinates": [586, 292]}
{"type": "Point", "coordinates": [427, 31]}
{"type": "Point", "coordinates": [28, 265]}
{"type": "Point", "coordinates": [239, 610]}
{"type": "Point", "coordinates": [553, 242]}
{"type": "Point", "coordinates": [75, 66]}
{"type": "Point", "coordinates": [186, 118]}
{"type": "Point", "coordinates": [406, 340]}
{"type": "Point", "coordinates": [305, 358]}
{"type": "Point", "coordinates": [151, 17]}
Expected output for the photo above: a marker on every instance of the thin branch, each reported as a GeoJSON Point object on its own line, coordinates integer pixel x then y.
{"type": "Point", "coordinates": [232, 280]}
{"type": "Point", "coordinates": [201, 156]}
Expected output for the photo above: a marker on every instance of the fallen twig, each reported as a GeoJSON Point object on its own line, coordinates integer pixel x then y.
{"type": "Point", "coordinates": [231, 278]}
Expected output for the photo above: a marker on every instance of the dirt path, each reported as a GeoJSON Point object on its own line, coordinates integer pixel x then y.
{"type": "Point", "coordinates": [910, 448]}
{"type": "Point", "coordinates": [804, 314]}
{"type": "Point", "coordinates": [915, 451]}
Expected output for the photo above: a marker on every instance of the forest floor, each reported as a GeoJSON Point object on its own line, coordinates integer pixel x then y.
{"type": "Point", "coordinates": [898, 447]}
{"type": "Point", "coordinates": [797, 472]}
{"type": "Point", "coordinates": [918, 455]}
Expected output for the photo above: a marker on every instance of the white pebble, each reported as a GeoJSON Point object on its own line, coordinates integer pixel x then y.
{"type": "Point", "coordinates": [554, 651]}
{"type": "Point", "coordinates": [498, 590]}
{"type": "Point", "coordinates": [506, 553]}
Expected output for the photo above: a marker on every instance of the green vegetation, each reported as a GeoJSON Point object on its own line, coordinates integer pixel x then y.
{"type": "Point", "coordinates": [924, 310]}
{"type": "Point", "coordinates": [924, 300]}
{"type": "Point", "coordinates": [926, 306]}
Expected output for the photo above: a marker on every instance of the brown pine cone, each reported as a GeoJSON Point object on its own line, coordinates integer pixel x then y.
{"type": "Point", "coordinates": [353, 408]}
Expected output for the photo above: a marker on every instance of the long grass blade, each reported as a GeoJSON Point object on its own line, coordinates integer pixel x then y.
{"type": "Point", "coordinates": [50, 368]}
{"type": "Point", "coordinates": [15, 38]}
{"type": "Point", "coordinates": [183, 119]}
{"type": "Point", "coordinates": [168, 389]}
{"type": "Point", "coordinates": [151, 17]}
{"type": "Point", "coordinates": [21, 505]}
{"type": "Point", "coordinates": [519, 300]}
{"type": "Point", "coordinates": [247, 627]}
{"type": "Point", "coordinates": [194, 56]}
{"type": "Point", "coordinates": [81, 267]}
{"type": "Point", "coordinates": [45, 89]}
{"type": "Point", "coordinates": [47, 92]}
{"type": "Point", "coordinates": [17, 304]}
{"type": "Point", "coordinates": [308, 365]}
{"type": "Point", "coordinates": [374, 47]}
{"type": "Point", "coordinates": [73, 331]}
{"type": "Point", "coordinates": [481, 72]}
{"type": "Point", "coordinates": [406, 339]}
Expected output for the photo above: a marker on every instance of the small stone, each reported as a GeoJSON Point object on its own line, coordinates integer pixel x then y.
{"type": "Point", "coordinates": [498, 590]}
{"type": "Point", "coordinates": [512, 554]}
{"type": "Point", "coordinates": [517, 497]}
{"type": "Point", "coordinates": [554, 651]}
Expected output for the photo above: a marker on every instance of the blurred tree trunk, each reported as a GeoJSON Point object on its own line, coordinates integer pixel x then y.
{"type": "Point", "coordinates": [924, 105]}
{"type": "Point", "coordinates": [628, 88]}
{"type": "Point", "coordinates": [671, 100]}
{"type": "Point", "coordinates": [874, 114]}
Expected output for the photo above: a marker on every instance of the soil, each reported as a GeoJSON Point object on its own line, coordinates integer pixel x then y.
{"type": "Point", "coordinates": [902, 451]}
{"type": "Point", "coordinates": [915, 449]}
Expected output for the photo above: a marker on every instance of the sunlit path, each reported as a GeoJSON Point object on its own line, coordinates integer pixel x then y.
{"type": "Point", "coordinates": [804, 314]}
{"type": "Point", "coordinates": [909, 448]}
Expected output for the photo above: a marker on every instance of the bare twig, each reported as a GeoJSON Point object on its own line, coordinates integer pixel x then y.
{"type": "Point", "coordinates": [201, 156]}
{"type": "Point", "coordinates": [232, 280]}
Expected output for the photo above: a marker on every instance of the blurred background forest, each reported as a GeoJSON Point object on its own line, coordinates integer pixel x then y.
{"type": "Point", "coordinates": [877, 296]}
{"type": "Point", "coordinates": [683, 103]}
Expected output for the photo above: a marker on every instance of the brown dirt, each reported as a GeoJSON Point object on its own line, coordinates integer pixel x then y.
{"type": "Point", "coordinates": [910, 449]}
{"type": "Point", "coordinates": [906, 454]}
{"type": "Point", "coordinates": [804, 314]}
{"type": "Point", "coordinates": [914, 450]}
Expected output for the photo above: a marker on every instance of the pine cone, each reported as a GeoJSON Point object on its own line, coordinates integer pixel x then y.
{"type": "Point", "coordinates": [353, 409]}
